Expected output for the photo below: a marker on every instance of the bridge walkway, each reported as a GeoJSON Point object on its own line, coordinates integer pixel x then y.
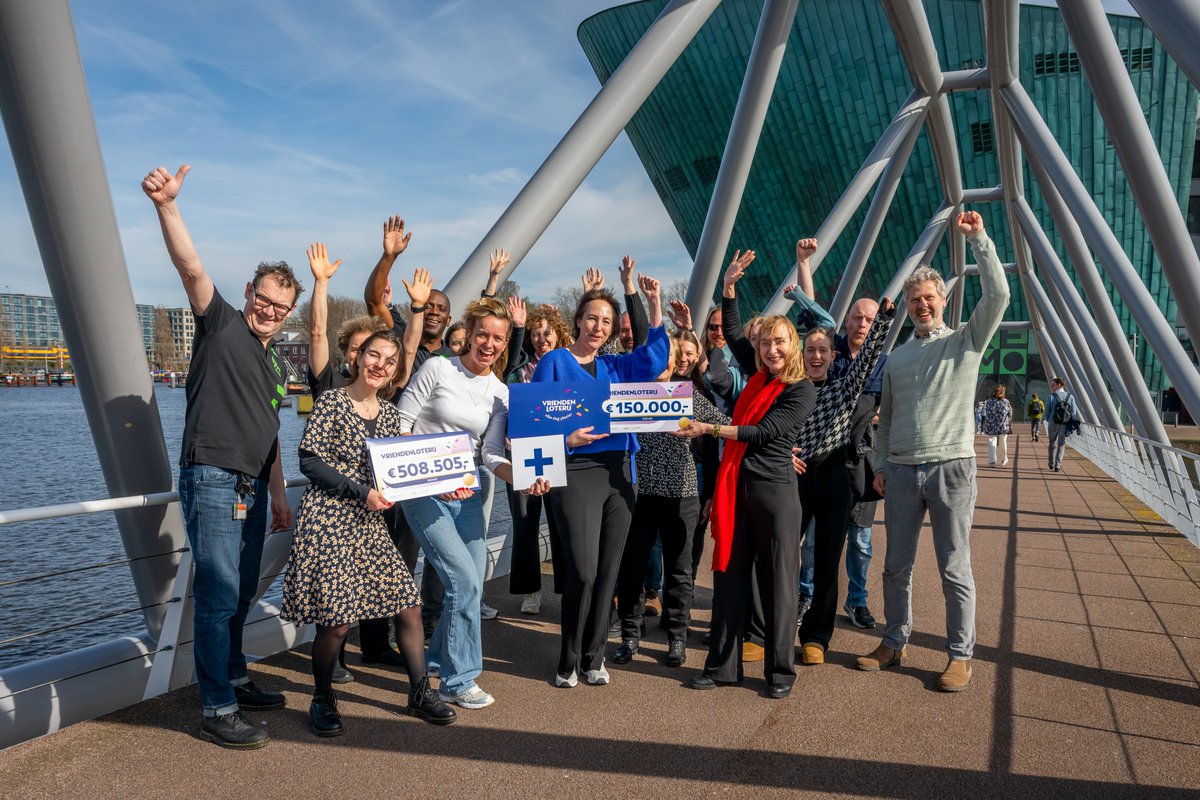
{"type": "Point", "coordinates": [1085, 685]}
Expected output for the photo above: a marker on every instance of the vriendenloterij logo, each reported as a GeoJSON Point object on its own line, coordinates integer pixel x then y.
{"type": "Point", "coordinates": [558, 410]}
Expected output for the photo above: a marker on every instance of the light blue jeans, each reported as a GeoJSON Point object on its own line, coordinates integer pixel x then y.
{"type": "Point", "coordinates": [858, 560]}
{"type": "Point", "coordinates": [454, 539]}
{"type": "Point", "coordinates": [227, 555]}
{"type": "Point", "coordinates": [947, 491]}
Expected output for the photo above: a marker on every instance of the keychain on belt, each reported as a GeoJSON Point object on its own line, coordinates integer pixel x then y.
{"type": "Point", "coordinates": [245, 495]}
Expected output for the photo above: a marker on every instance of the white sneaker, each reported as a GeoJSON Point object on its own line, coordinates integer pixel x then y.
{"type": "Point", "coordinates": [1004, 463]}
{"type": "Point", "coordinates": [567, 681]}
{"type": "Point", "coordinates": [486, 611]}
{"type": "Point", "coordinates": [473, 697]}
{"type": "Point", "coordinates": [532, 603]}
{"type": "Point", "coordinates": [596, 677]}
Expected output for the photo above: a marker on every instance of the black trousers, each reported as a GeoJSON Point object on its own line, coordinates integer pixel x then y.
{"type": "Point", "coordinates": [673, 518]}
{"type": "Point", "coordinates": [525, 570]}
{"type": "Point", "coordinates": [766, 548]}
{"type": "Point", "coordinates": [826, 497]}
{"type": "Point", "coordinates": [593, 512]}
{"type": "Point", "coordinates": [373, 633]}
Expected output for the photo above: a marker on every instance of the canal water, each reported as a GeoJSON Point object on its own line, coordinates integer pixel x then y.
{"type": "Point", "coordinates": [47, 457]}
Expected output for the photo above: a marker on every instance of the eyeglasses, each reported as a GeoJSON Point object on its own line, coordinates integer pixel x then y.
{"type": "Point", "coordinates": [262, 301]}
{"type": "Point", "coordinates": [714, 327]}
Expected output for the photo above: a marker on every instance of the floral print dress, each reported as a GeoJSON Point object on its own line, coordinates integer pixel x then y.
{"type": "Point", "coordinates": [343, 566]}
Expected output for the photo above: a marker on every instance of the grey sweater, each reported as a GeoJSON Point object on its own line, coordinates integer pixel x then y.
{"type": "Point", "coordinates": [925, 413]}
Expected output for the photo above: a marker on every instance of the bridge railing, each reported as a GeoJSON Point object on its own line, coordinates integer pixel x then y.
{"type": "Point", "coordinates": [1164, 478]}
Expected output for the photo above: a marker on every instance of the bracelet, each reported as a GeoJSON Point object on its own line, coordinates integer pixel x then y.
{"type": "Point", "coordinates": [416, 309]}
{"type": "Point", "coordinates": [716, 431]}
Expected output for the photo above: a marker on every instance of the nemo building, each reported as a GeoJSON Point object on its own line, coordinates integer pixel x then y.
{"type": "Point", "coordinates": [841, 81]}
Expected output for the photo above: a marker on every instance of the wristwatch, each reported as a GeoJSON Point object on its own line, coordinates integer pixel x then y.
{"type": "Point", "coordinates": [416, 309]}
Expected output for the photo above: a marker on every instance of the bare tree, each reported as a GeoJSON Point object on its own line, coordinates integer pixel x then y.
{"type": "Point", "coordinates": [566, 299]}
{"type": "Point", "coordinates": [165, 356]}
{"type": "Point", "coordinates": [340, 310]}
{"type": "Point", "coordinates": [676, 291]}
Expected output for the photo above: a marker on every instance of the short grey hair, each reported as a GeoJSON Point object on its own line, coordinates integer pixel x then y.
{"type": "Point", "coordinates": [925, 274]}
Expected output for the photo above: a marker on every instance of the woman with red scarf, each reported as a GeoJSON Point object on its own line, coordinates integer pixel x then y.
{"type": "Point", "coordinates": [756, 503]}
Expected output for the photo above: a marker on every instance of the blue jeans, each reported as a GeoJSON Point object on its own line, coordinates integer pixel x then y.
{"type": "Point", "coordinates": [227, 554]}
{"type": "Point", "coordinates": [454, 539]}
{"type": "Point", "coordinates": [858, 559]}
{"type": "Point", "coordinates": [808, 557]}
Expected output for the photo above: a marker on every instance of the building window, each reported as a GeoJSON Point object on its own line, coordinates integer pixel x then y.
{"type": "Point", "coordinates": [707, 169]}
{"type": "Point", "coordinates": [1138, 58]}
{"type": "Point", "coordinates": [981, 137]}
{"type": "Point", "coordinates": [676, 179]}
{"type": "Point", "coordinates": [972, 63]}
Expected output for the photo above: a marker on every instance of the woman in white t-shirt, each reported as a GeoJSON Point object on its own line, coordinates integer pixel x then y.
{"type": "Point", "coordinates": [461, 394]}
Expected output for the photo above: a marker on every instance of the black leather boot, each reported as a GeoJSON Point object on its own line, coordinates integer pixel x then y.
{"type": "Point", "coordinates": [323, 716]}
{"type": "Point", "coordinates": [424, 702]}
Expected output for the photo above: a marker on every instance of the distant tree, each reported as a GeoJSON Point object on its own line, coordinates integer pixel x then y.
{"type": "Point", "coordinates": [165, 356]}
{"type": "Point", "coordinates": [676, 291]}
{"type": "Point", "coordinates": [565, 300]}
{"type": "Point", "coordinates": [341, 309]}
{"type": "Point", "coordinates": [509, 288]}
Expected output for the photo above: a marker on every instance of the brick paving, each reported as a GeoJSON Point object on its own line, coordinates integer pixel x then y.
{"type": "Point", "coordinates": [1085, 685]}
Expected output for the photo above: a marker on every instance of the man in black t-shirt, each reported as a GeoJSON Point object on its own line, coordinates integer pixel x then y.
{"type": "Point", "coordinates": [230, 459]}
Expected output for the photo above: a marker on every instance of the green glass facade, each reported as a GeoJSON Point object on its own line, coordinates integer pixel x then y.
{"type": "Point", "coordinates": [841, 81]}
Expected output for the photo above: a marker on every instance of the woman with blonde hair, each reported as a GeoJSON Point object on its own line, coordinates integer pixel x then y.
{"type": "Point", "coordinates": [756, 503]}
{"type": "Point", "coordinates": [462, 393]}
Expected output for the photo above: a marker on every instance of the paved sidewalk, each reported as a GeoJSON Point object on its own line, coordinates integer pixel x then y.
{"type": "Point", "coordinates": [1085, 685]}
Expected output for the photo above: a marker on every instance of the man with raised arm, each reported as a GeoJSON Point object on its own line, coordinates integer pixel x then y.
{"type": "Point", "coordinates": [925, 452]}
{"type": "Point", "coordinates": [229, 469]}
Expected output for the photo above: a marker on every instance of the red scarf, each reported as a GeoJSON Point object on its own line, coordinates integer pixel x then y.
{"type": "Point", "coordinates": [752, 404]}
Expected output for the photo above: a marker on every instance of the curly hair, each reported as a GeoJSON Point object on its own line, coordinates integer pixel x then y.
{"type": "Point", "coordinates": [562, 336]}
{"type": "Point", "coordinates": [925, 274]}
{"type": "Point", "coordinates": [357, 325]}
{"type": "Point", "coordinates": [283, 275]}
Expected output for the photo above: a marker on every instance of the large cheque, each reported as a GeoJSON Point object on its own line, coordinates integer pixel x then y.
{"type": "Point", "coordinates": [419, 466]}
{"type": "Point", "coordinates": [647, 407]}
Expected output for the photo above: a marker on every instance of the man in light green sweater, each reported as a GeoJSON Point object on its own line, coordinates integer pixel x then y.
{"type": "Point", "coordinates": [926, 451]}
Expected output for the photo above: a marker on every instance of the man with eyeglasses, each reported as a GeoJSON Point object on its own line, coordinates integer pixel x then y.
{"type": "Point", "coordinates": [230, 468]}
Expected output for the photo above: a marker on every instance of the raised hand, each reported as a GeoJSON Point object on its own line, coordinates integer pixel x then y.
{"type": "Point", "coordinates": [791, 287]}
{"type": "Point", "coordinates": [161, 186]}
{"type": "Point", "coordinates": [497, 261]}
{"type": "Point", "coordinates": [395, 241]}
{"type": "Point", "coordinates": [627, 265]}
{"type": "Point", "coordinates": [318, 262]}
{"type": "Point", "coordinates": [592, 279]}
{"type": "Point", "coordinates": [387, 294]}
{"type": "Point", "coordinates": [887, 307]}
{"type": "Point", "coordinates": [737, 267]}
{"type": "Point", "coordinates": [680, 315]}
{"type": "Point", "coordinates": [516, 309]}
{"type": "Point", "coordinates": [805, 248]}
{"type": "Point", "coordinates": [419, 289]}
{"type": "Point", "coordinates": [651, 288]}
{"type": "Point", "coordinates": [969, 223]}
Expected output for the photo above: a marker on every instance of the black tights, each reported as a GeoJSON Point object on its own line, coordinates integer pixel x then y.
{"type": "Point", "coordinates": [328, 643]}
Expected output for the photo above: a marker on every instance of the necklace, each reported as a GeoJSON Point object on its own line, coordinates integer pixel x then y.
{"type": "Point", "coordinates": [367, 408]}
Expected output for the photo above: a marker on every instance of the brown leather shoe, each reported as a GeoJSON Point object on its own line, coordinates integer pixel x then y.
{"type": "Point", "coordinates": [753, 652]}
{"type": "Point", "coordinates": [653, 604]}
{"type": "Point", "coordinates": [880, 658]}
{"type": "Point", "coordinates": [957, 675]}
{"type": "Point", "coordinates": [812, 654]}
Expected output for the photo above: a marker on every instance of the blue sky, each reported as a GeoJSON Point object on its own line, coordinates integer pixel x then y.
{"type": "Point", "coordinates": [317, 120]}
{"type": "Point", "coordinates": [307, 120]}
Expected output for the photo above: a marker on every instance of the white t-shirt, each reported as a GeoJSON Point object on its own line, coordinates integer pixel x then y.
{"type": "Point", "coordinates": [443, 396]}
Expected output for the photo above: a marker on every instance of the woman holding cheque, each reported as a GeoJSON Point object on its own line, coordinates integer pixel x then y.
{"type": "Point", "coordinates": [594, 509]}
{"type": "Point", "coordinates": [756, 506]}
{"type": "Point", "coordinates": [461, 394]}
{"type": "Point", "coordinates": [343, 566]}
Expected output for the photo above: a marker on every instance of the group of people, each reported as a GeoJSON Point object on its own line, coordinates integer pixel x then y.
{"type": "Point", "coordinates": [797, 431]}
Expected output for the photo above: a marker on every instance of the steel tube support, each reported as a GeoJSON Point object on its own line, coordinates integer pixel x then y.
{"type": "Point", "coordinates": [1176, 23]}
{"type": "Point", "coordinates": [770, 42]}
{"type": "Point", "coordinates": [1075, 311]}
{"type": "Point", "coordinates": [881, 156]}
{"type": "Point", "coordinates": [1043, 149]}
{"type": "Point", "coordinates": [1131, 138]}
{"type": "Point", "coordinates": [877, 212]}
{"type": "Point", "coordinates": [565, 169]}
{"type": "Point", "coordinates": [1068, 358]}
{"type": "Point", "coordinates": [926, 243]}
{"type": "Point", "coordinates": [47, 115]}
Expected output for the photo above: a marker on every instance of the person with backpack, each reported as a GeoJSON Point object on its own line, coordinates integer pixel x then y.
{"type": "Point", "coordinates": [1035, 409]}
{"type": "Point", "coordinates": [1062, 413]}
